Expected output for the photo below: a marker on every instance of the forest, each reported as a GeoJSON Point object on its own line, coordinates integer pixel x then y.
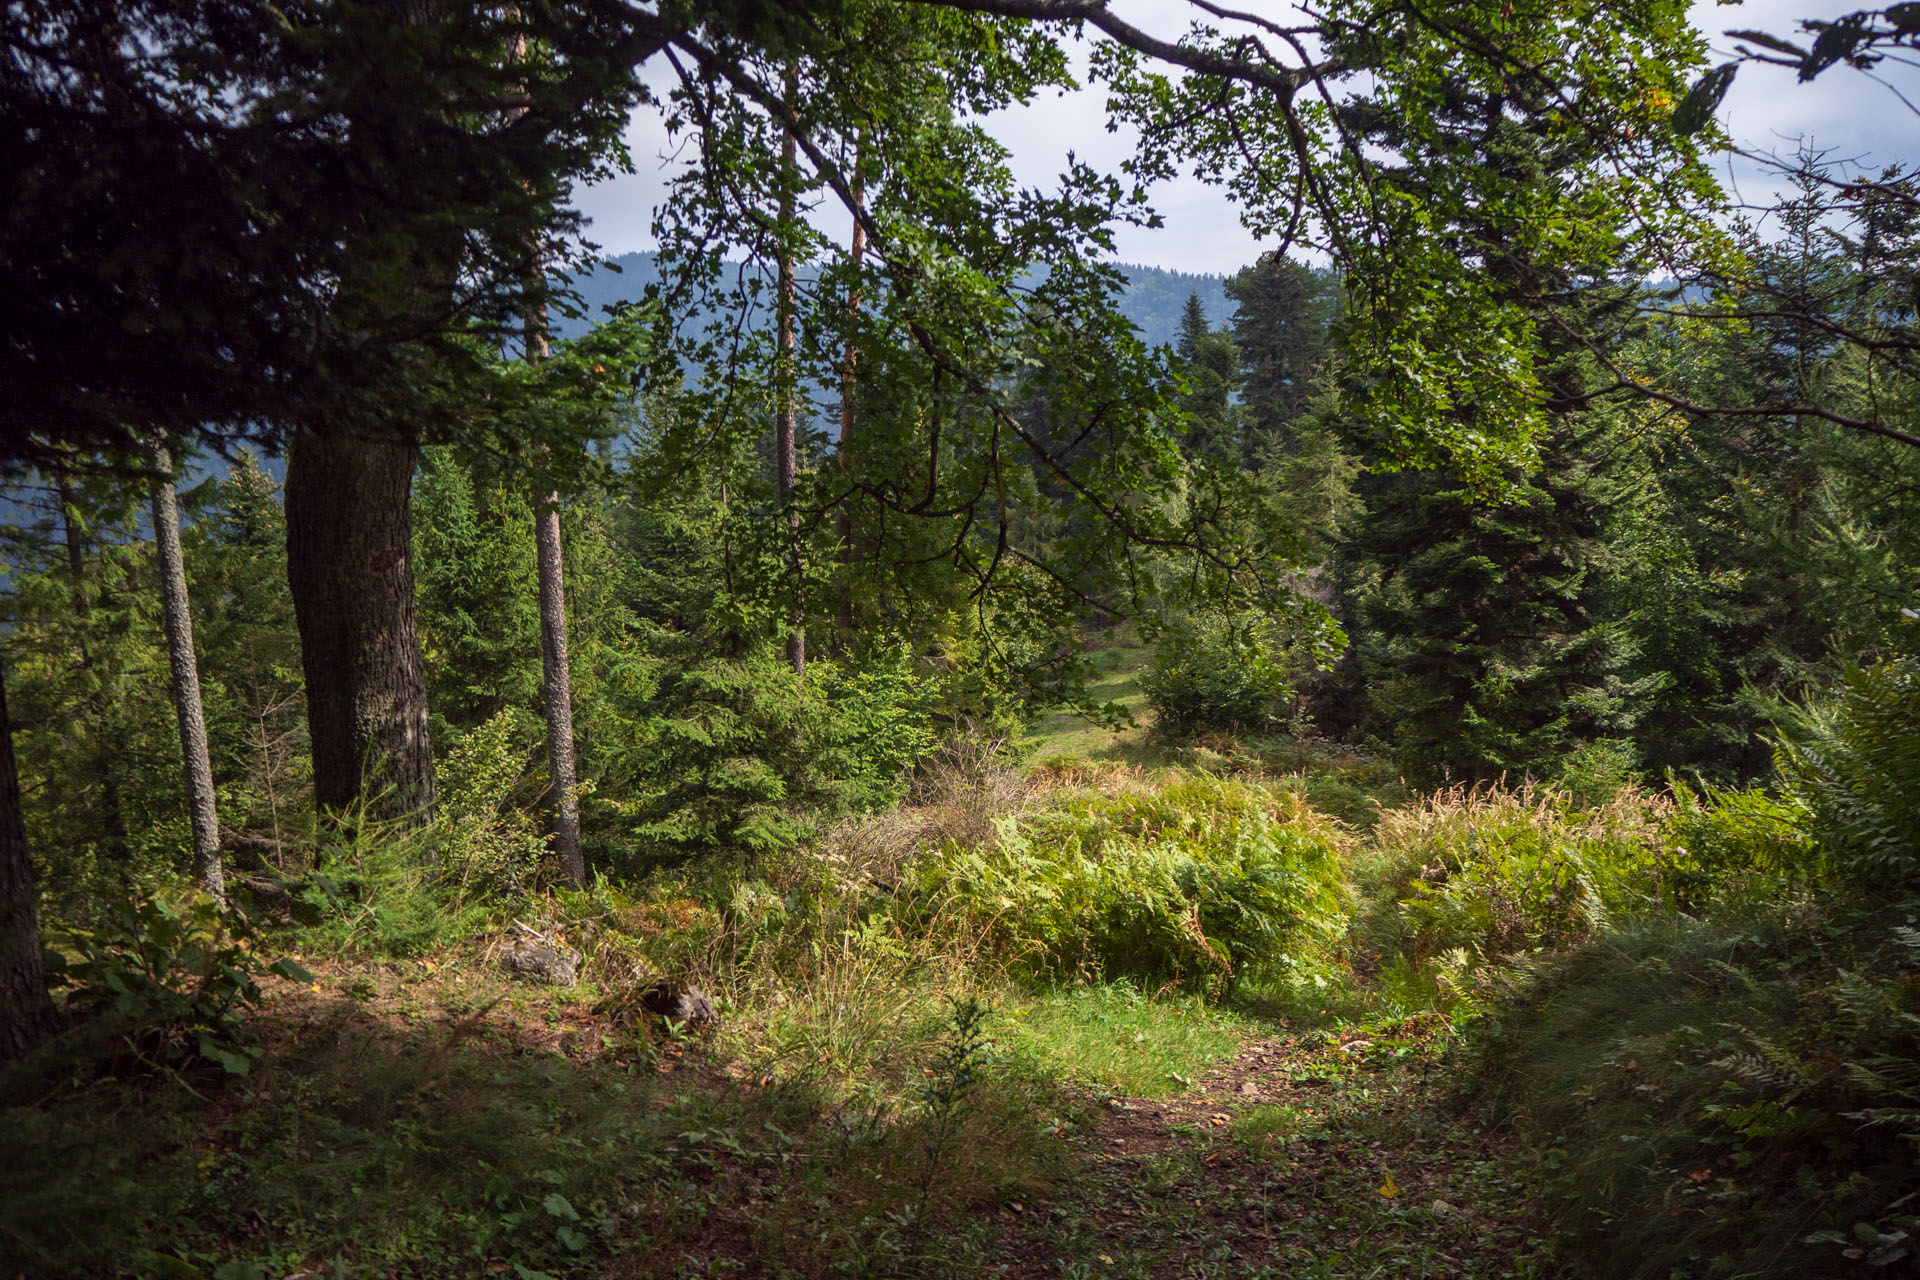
{"type": "Point", "coordinates": [878, 737]}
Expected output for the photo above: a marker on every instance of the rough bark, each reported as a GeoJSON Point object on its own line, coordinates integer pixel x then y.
{"type": "Point", "coordinates": [26, 1011]}
{"type": "Point", "coordinates": [786, 458]}
{"type": "Point", "coordinates": [556, 672]}
{"type": "Point", "coordinates": [177, 615]}
{"type": "Point", "coordinates": [557, 689]}
{"type": "Point", "coordinates": [350, 567]}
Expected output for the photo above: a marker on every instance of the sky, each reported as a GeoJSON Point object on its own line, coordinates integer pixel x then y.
{"type": "Point", "coordinates": [1766, 110]}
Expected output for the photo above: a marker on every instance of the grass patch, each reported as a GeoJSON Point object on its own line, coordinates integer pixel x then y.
{"type": "Point", "coordinates": [1116, 1038]}
{"type": "Point", "coordinates": [365, 1145]}
{"type": "Point", "coordinates": [1070, 736]}
{"type": "Point", "coordinates": [1269, 1125]}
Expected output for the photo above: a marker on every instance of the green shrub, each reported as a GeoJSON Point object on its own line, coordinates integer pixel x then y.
{"type": "Point", "coordinates": [166, 980]}
{"type": "Point", "coordinates": [1495, 872]}
{"type": "Point", "coordinates": [1726, 846]}
{"type": "Point", "coordinates": [489, 846]}
{"type": "Point", "coordinates": [374, 889]}
{"type": "Point", "coordinates": [743, 755]}
{"type": "Point", "coordinates": [1714, 1100]}
{"type": "Point", "coordinates": [1201, 879]}
{"type": "Point", "coordinates": [1857, 765]}
{"type": "Point", "coordinates": [1597, 771]}
{"type": "Point", "coordinates": [1208, 675]}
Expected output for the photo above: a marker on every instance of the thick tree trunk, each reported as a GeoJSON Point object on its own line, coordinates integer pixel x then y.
{"type": "Point", "coordinates": [350, 566]}
{"type": "Point", "coordinates": [26, 1012]}
{"type": "Point", "coordinates": [177, 614]}
{"type": "Point", "coordinates": [786, 458]}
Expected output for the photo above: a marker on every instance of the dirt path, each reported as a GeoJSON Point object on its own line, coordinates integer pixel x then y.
{"type": "Point", "coordinates": [1293, 1159]}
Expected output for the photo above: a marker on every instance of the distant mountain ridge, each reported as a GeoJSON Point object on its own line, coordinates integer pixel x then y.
{"type": "Point", "coordinates": [1152, 301]}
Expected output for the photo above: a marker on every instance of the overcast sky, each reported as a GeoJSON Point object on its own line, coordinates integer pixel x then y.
{"type": "Point", "coordinates": [1767, 109]}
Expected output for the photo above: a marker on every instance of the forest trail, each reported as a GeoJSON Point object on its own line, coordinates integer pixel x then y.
{"type": "Point", "coordinates": [1302, 1156]}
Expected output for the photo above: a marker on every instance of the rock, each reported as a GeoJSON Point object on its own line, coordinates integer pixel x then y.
{"type": "Point", "coordinates": [533, 954]}
{"type": "Point", "coordinates": [543, 961]}
{"type": "Point", "coordinates": [680, 1003]}
{"type": "Point", "coordinates": [1250, 1089]}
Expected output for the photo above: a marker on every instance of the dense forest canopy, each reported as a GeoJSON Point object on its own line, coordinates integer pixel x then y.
{"type": "Point", "coordinates": [877, 608]}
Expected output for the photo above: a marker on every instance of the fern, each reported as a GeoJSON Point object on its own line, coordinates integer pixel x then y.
{"type": "Point", "coordinates": [1857, 764]}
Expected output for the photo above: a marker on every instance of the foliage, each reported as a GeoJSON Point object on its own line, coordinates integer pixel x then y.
{"type": "Point", "coordinates": [1728, 847]}
{"type": "Point", "coordinates": [477, 599]}
{"type": "Point", "coordinates": [1490, 873]}
{"type": "Point", "coordinates": [1213, 674]}
{"type": "Point", "coordinates": [166, 982]}
{"type": "Point", "coordinates": [744, 755]}
{"type": "Point", "coordinates": [1199, 880]}
{"type": "Point", "coordinates": [489, 846]}
{"type": "Point", "coordinates": [373, 889]}
{"type": "Point", "coordinates": [1705, 1091]}
{"type": "Point", "coordinates": [1858, 768]}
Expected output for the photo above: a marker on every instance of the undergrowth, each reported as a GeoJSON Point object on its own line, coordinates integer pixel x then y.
{"type": "Point", "coordinates": [1683, 1001]}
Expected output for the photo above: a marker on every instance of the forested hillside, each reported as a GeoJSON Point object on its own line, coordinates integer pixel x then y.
{"type": "Point", "coordinates": [931, 751]}
{"type": "Point", "coordinates": [1151, 298]}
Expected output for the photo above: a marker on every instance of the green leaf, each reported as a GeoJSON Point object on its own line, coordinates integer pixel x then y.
{"type": "Point", "coordinates": [557, 1205]}
{"type": "Point", "coordinates": [237, 1064]}
{"type": "Point", "coordinates": [289, 970]}
{"type": "Point", "coordinates": [575, 1241]}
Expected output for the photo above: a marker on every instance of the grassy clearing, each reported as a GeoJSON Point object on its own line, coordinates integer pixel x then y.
{"type": "Point", "coordinates": [1226, 1035]}
{"type": "Point", "coordinates": [1112, 1037]}
{"type": "Point", "coordinates": [1068, 736]}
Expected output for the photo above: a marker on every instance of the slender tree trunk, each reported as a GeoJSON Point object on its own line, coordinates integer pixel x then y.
{"type": "Point", "coordinates": [113, 817]}
{"type": "Point", "coordinates": [556, 673]}
{"type": "Point", "coordinates": [849, 383]}
{"type": "Point", "coordinates": [26, 1011]}
{"type": "Point", "coordinates": [556, 684]}
{"type": "Point", "coordinates": [177, 613]}
{"type": "Point", "coordinates": [350, 566]}
{"type": "Point", "coordinates": [786, 458]}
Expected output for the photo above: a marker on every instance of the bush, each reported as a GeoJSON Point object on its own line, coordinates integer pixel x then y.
{"type": "Point", "coordinates": [1201, 880]}
{"type": "Point", "coordinates": [1209, 675]}
{"type": "Point", "coordinates": [744, 755]}
{"type": "Point", "coordinates": [1857, 766]}
{"type": "Point", "coordinates": [166, 979]}
{"type": "Point", "coordinates": [489, 845]}
{"type": "Point", "coordinates": [1728, 846]}
{"type": "Point", "coordinates": [1493, 872]}
{"type": "Point", "coordinates": [1718, 1101]}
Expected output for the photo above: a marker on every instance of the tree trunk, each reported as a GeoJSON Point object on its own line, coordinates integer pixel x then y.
{"type": "Point", "coordinates": [350, 567]}
{"type": "Point", "coordinates": [26, 1012]}
{"type": "Point", "coordinates": [177, 614]}
{"type": "Point", "coordinates": [556, 683]}
{"type": "Point", "coordinates": [849, 383]}
{"type": "Point", "coordinates": [557, 688]}
{"type": "Point", "coordinates": [786, 459]}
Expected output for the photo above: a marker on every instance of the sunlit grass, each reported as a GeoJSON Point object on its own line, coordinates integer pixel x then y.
{"type": "Point", "coordinates": [1116, 1038]}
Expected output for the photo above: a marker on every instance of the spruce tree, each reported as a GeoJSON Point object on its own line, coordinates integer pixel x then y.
{"type": "Point", "coordinates": [1483, 606]}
